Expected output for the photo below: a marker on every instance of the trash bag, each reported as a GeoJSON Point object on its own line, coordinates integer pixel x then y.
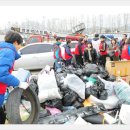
{"type": "Point", "coordinates": [75, 84]}
{"type": "Point", "coordinates": [70, 115]}
{"type": "Point", "coordinates": [33, 83]}
{"type": "Point", "coordinates": [69, 97]}
{"type": "Point", "coordinates": [96, 119]}
{"type": "Point", "coordinates": [44, 113]}
{"type": "Point", "coordinates": [80, 100]}
{"type": "Point", "coordinates": [55, 103]}
{"type": "Point", "coordinates": [53, 111]}
{"type": "Point", "coordinates": [125, 114]}
{"type": "Point", "coordinates": [111, 78]}
{"type": "Point", "coordinates": [77, 104]}
{"type": "Point", "coordinates": [109, 86]}
{"type": "Point", "coordinates": [60, 78]}
{"type": "Point", "coordinates": [90, 69]}
{"type": "Point", "coordinates": [22, 74]}
{"type": "Point", "coordinates": [48, 88]}
{"type": "Point", "coordinates": [122, 90]}
{"type": "Point", "coordinates": [98, 90]}
{"type": "Point", "coordinates": [109, 103]}
{"type": "Point", "coordinates": [79, 72]}
{"type": "Point", "coordinates": [102, 72]}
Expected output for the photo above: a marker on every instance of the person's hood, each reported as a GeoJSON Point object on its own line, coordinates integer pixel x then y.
{"type": "Point", "coordinates": [58, 43]}
{"type": "Point", "coordinates": [66, 46]}
{"type": "Point", "coordinates": [95, 39]}
{"type": "Point", "coordinates": [10, 46]}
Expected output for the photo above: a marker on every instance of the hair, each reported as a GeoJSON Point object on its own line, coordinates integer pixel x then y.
{"type": "Point", "coordinates": [12, 36]}
{"type": "Point", "coordinates": [89, 42]}
{"type": "Point", "coordinates": [96, 35]}
{"type": "Point", "coordinates": [125, 35]}
{"type": "Point", "coordinates": [128, 41]}
{"type": "Point", "coordinates": [58, 38]}
{"type": "Point", "coordinates": [102, 36]}
{"type": "Point", "coordinates": [81, 39]}
{"type": "Point", "coordinates": [68, 41]}
{"type": "Point", "coordinates": [114, 39]}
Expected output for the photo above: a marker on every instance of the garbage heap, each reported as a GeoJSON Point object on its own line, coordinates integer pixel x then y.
{"type": "Point", "coordinates": [81, 95]}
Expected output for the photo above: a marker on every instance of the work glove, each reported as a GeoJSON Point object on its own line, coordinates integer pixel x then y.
{"type": "Point", "coordinates": [23, 85]}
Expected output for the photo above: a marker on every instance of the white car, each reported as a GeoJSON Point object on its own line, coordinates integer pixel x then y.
{"type": "Point", "coordinates": [35, 56]}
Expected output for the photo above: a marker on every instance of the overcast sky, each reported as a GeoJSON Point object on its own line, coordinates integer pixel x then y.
{"type": "Point", "coordinates": [21, 13]}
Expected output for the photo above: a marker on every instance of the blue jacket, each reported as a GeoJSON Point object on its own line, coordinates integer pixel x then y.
{"type": "Point", "coordinates": [67, 50]}
{"type": "Point", "coordinates": [8, 55]}
{"type": "Point", "coordinates": [129, 50]}
{"type": "Point", "coordinates": [57, 50]}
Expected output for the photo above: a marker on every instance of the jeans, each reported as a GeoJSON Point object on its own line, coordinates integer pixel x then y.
{"type": "Point", "coordinates": [1, 99]}
{"type": "Point", "coordinates": [102, 60]}
{"type": "Point", "coordinates": [79, 59]}
{"type": "Point", "coordinates": [58, 64]}
{"type": "Point", "coordinates": [68, 62]}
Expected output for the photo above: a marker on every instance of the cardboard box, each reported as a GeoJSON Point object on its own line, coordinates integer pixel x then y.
{"type": "Point", "coordinates": [126, 78]}
{"type": "Point", "coordinates": [118, 68]}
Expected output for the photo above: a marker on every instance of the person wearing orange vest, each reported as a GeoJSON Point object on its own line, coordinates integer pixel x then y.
{"type": "Point", "coordinates": [126, 51]}
{"type": "Point", "coordinates": [79, 49]}
{"type": "Point", "coordinates": [57, 54]}
{"type": "Point", "coordinates": [102, 51]}
{"type": "Point", "coordinates": [8, 55]}
{"type": "Point", "coordinates": [68, 53]}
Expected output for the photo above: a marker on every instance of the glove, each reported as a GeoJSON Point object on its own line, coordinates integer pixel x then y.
{"type": "Point", "coordinates": [23, 85]}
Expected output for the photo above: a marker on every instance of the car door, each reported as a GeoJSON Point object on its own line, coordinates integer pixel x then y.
{"type": "Point", "coordinates": [46, 55]}
{"type": "Point", "coordinates": [29, 57]}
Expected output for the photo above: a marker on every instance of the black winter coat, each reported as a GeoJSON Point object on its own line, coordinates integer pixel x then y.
{"type": "Point", "coordinates": [93, 55]}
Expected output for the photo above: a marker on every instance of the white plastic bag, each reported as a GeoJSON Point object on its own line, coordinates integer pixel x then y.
{"type": "Point", "coordinates": [110, 103]}
{"type": "Point", "coordinates": [125, 114]}
{"type": "Point", "coordinates": [48, 88]}
{"type": "Point", "coordinates": [122, 90]}
{"type": "Point", "coordinates": [109, 86]}
{"type": "Point", "coordinates": [75, 84]}
{"type": "Point", "coordinates": [22, 74]}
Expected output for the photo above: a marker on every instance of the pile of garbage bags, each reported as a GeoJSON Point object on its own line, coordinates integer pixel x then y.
{"type": "Point", "coordinates": [86, 94]}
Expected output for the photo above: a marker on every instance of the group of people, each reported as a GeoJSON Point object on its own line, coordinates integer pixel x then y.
{"type": "Point", "coordinates": [93, 51]}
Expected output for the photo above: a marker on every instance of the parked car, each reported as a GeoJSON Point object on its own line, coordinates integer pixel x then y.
{"type": "Point", "coordinates": [35, 39]}
{"type": "Point", "coordinates": [35, 56]}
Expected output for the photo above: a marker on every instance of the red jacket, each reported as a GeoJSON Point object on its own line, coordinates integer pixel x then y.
{"type": "Point", "coordinates": [117, 52]}
{"type": "Point", "coordinates": [57, 48]}
{"type": "Point", "coordinates": [125, 54]}
{"type": "Point", "coordinates": [68, 53]}
{"type": "Point", "coordinates": [4, 86]}
{"type": "Point", "coordinates": [103, 48]}
{"type": "Point", "coordinates": [79, 49]}
{"type": "Point", "coordinates": [67, 57]}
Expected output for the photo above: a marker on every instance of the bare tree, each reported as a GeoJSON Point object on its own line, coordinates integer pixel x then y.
{"type": "Point", "coordinates": [118, 22]}
{"type": "Point", "coordinates": [100, 22]}
{"type": "Point", "coordinates": [126, 21]}
{"type": "Point", "coordinates": [93, 24]}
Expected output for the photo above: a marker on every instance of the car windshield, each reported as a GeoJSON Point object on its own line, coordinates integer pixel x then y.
{"type": "Point", "coordinates": [33, 40]}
